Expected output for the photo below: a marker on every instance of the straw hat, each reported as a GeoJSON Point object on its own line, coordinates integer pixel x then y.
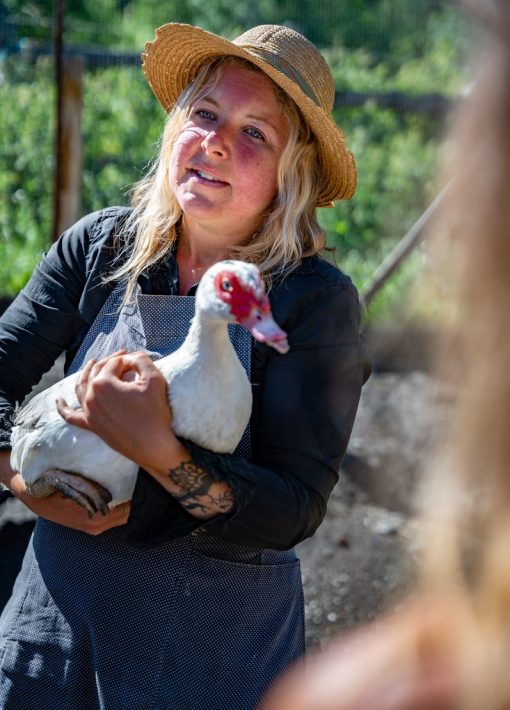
{"type": "Point", "coordinates": [173, 59]}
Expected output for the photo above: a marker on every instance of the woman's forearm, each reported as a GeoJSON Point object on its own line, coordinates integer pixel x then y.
{"type": "Point", "coordinates": [9, 478]}
{"type": "Point", "coordinates": [59, 509]}
{"type": "Point", "coordinates": [193, 487]}
{"type": "Point", "coordinates": [188, 481]}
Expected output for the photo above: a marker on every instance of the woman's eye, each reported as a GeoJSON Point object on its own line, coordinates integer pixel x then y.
{"type": "Point", "coordinates": [255, 133]}
{"type": "Point", "coordinates": [205, 113]}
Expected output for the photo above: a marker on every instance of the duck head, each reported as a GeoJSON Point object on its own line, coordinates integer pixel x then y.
{"type": "Point", "coordinates": [233, 291]}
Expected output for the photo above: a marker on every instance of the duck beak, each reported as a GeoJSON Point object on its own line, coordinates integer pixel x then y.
{"type": "Point", "coordinates": [266, 330]}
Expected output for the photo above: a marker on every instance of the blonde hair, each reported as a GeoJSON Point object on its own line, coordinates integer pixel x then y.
{"type": "Point", "coordinates": [474, 246]}
{"type": "Point", "coordinates": [289, 230]}
{"type": "Point", "coordinates": [467, 497]}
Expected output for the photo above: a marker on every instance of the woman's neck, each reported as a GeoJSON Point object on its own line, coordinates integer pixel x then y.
{"type": "Point", "coordinates": [193, 261]}
{"type": "Point", "coordinates": [204, 240]}
{"type": "Point", "coordinates": [196, 252]}
{"type": "Point", "coordinates": [199, 256]}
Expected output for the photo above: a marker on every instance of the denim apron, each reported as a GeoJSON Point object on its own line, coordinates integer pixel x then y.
{"type": "Point", "coordinates": [195, 624]}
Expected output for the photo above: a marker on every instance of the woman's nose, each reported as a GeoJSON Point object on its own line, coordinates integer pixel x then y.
{"type": "Point", "coordinates": [215, 143]}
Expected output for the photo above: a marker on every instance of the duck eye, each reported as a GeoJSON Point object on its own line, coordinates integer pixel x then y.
{"type": "Point", "coordinates": [225, 285]}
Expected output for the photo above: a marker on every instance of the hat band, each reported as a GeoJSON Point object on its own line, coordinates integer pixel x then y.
{"type": "Point", "coordinates": [284, 67]}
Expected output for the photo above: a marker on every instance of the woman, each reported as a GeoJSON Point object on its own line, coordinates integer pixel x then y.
{"type": "Point", "coordinates": [448, 648]}
{"type": "Point", "coordinates": [206, 608]}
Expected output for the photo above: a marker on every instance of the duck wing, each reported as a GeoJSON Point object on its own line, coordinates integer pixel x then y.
{"type": "Point", "coordinates": [42, 408]}
{"type": "Point", "coordinates": [42, 440]}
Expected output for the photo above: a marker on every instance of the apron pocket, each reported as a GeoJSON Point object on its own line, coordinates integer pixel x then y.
{"type": "Point", "coordinates": [236, 627]}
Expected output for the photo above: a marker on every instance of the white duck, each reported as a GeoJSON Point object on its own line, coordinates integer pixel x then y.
{"type": "Point", "coordinates": [209, 395]}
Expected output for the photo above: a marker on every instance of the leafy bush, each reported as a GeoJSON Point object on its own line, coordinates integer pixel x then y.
{"type": "Point", "coordinates": [26, 175]}
{"type": "Point", "coordinates": [122, 123]}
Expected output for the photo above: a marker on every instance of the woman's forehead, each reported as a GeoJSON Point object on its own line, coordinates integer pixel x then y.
{"type": "Point", "coordinates": [241, 77]}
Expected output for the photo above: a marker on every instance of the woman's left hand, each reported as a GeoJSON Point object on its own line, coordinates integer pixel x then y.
{"type": "Point", "coordinates": [123, 399]}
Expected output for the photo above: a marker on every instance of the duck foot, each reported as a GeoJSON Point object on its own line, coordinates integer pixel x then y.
{"type": "Point", "coordinates": [90, 495]}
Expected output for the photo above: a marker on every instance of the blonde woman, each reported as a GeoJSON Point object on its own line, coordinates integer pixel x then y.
{"type": "Point", "coordinates": [189, 597]}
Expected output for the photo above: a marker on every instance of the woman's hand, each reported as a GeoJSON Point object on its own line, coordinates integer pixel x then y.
{"type": "Point", "coordinates": [123, 399]}
{"type": "Point", "coordinates": [59, 509]}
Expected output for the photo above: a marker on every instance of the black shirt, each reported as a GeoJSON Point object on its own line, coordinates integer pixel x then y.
{"type": "Point", "coordinates": [304, 402]}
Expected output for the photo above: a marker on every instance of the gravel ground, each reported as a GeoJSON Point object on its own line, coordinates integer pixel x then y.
{"type": "Point", "coordinates": [361, 559]}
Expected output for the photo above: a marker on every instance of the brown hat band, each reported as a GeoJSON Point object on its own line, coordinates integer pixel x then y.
{"type": "Point", "coordinates": [284, 67]}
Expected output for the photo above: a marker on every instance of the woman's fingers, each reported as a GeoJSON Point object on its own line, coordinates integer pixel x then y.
{"type": "Point", "coordinates": [115, 517]}
{"type": "Point", "coordinates": [124, 400]}
{"type": "Point", "coordinates": [128, 367]}
{"type": "Point", "coordinates": [91, 370]}
{"type": "Point", "coordinates": [76, 417]}
{"type": "Point", "coordinates": [83, 377]}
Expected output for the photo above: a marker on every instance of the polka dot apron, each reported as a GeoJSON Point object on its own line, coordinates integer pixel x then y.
{"type": "Point", "coordinates": [195, 624]}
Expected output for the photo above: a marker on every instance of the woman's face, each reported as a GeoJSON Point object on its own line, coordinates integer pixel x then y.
{"type": "Point", "coordinates": [223, 166]}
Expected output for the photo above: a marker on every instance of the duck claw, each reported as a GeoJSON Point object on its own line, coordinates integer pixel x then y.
{"type": "Point", "coordinates": [89, 494]}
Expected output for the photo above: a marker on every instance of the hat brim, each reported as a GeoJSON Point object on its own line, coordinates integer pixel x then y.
{"type": "Point", "coordinates": [172, 60]}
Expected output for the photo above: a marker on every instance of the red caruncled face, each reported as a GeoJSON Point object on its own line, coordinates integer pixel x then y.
{"type": "Point", "coordinates": [241, 300]}
{"type": "Point", "coordinates": [251, 310]}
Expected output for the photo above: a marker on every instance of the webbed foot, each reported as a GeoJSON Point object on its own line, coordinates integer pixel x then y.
{"type": "Point", "coordinates": [90, 495]}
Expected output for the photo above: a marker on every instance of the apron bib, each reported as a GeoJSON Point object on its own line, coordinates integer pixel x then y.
{"type": "Point", "coordinates": [195, 624]}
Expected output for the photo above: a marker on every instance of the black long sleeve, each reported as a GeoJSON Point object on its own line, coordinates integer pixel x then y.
{"type": "Point", "coordinates": [54, 310]}
{"type": "Point", "coordinates": [304, 402]}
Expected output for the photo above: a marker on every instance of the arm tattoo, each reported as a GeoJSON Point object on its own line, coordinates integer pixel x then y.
{"type": "Point", "coordinates": [196, 486]}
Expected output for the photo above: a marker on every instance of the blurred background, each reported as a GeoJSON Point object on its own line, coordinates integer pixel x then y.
{"type": "Point", "coordinates": [72, 69]}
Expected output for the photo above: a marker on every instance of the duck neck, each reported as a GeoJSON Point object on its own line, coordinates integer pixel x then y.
{"type": "Point", "coordinates": [209, 335]}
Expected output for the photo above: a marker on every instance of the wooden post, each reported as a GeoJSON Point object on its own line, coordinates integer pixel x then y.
{"type": "Point", "coordinates": [402, 249]}
{"type": "Point", "coordinates": [69, 145]}
{"type": "Point", "coordinates": [69, 99]}
{"type": "Point", "coordinates": [69, 189]}
{"type": "Point", "coordinates": [58, 58]}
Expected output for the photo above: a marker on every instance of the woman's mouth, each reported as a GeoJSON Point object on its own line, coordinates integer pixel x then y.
{"type": "Point", "coordinates": [206, 178]}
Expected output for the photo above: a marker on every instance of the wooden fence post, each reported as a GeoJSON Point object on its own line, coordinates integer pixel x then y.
{"type": "Point", "coordinates": [402, 249]}
{"type": "Point", "coordinates": [69, 145]}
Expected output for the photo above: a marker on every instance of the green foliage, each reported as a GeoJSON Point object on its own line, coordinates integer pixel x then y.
{"type": "Point", "coordinates": [393, 30]}
{"type": "Point", "coordinates": [26, 174]}
{"type": "Point", "coordinates": [410, 46]}
{"type": "Point", "coordinates": [396, 160]}
{"type": "Point", "coordinates": [122, 123]}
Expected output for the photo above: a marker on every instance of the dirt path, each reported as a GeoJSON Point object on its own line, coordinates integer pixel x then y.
{"type": "Point", "coordinates": [361, 559]}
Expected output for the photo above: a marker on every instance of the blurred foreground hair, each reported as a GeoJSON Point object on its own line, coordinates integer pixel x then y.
{"type": "Point", "coordinates": [467, 496]}
{"type": "Point", "coordinates": [449, 648]}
